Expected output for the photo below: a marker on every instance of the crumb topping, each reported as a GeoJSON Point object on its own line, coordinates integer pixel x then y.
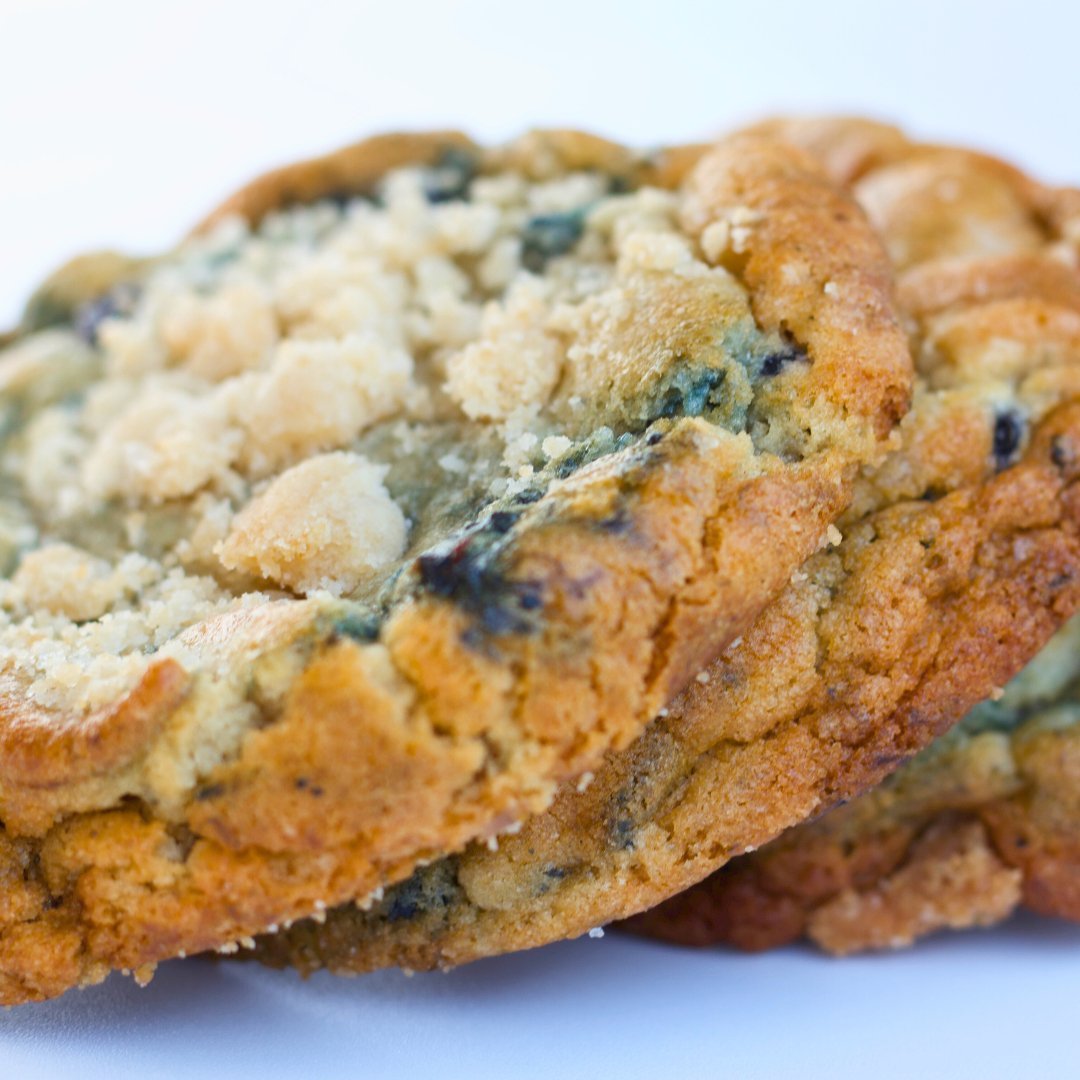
{"type": "Point", "coordinates": [323, 524]}
{"type": "Point", "coordinates": [296, 408]}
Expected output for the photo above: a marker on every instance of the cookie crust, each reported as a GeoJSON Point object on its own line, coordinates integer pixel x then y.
{"type": "Point", "coordinates": [720, 775]}
{"type": "Point", "coordinates": [980, 823]}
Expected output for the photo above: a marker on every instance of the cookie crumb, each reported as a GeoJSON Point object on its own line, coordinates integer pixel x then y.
{"type": "Point", "coordinates": [715, 240]}
{"type": "Point", "coordinates": [451, 463]}
{"type": "Point", "coordinates": [742, 220]}
{"type": "Point", "coordinates": [366, 903]}
{"type": "Point", "coordinates": [323, 524]}
{"type": "Point", "coordinates": [554, 446]}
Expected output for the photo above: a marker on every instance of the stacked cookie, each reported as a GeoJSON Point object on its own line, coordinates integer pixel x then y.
{"type": "Point", "coordinates": [447, 550]}
{"type": "Point", "coordinates": [987, 818]}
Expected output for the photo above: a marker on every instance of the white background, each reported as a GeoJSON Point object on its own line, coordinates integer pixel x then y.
{"type": "Point", "coordinates": [982, 1006]}
{"type": "Point", "coordinates": [122, 122]}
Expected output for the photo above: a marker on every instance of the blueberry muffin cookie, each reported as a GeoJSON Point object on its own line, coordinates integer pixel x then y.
{"type": "Point", "coordinates": [417, 479]}
{"type": "Point", "coordinates": [956, 562]}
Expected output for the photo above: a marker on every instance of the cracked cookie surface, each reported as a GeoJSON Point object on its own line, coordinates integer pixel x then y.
{"type": "Point", "coordinates": [957, 560]}
{"type": "Point", "coordinates": [397, 494]}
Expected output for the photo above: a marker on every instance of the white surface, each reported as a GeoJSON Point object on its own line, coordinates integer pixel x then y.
{"type": "Point", "coordinates": [120, 123]}
{"type": "Point", "coordinates": [990, 1006]}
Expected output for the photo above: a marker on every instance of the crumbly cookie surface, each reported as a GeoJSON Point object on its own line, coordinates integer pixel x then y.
{"type": "Point", "coordinates": [958, 559]}
{"type": "Point", "coordinates": [397, 494]}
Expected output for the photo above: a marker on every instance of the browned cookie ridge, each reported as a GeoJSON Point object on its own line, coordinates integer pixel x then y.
{"type": "Point", "coordinates": [958, 559]}
{"type": "Point", "coordinates": [402, 491]}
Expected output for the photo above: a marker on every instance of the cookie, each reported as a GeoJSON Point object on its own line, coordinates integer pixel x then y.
{"type": "Point", "coordinates": [985, 819]}
{"type": "Point", "coordinates": [401, 492]}
{"type": "Point", "coordinates": [958, 559]}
